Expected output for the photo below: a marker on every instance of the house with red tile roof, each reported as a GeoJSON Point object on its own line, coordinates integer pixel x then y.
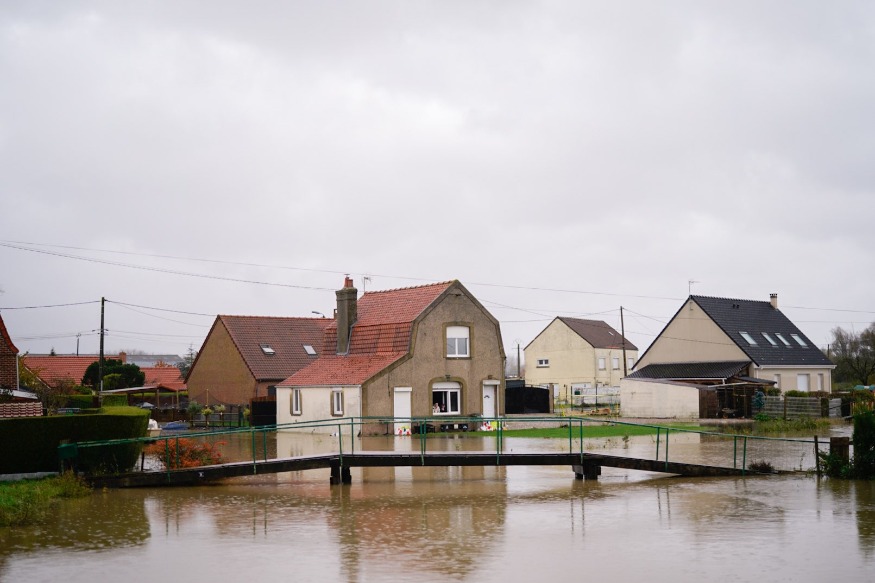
{"type": "Point", "coordinates": [244, 357]}
{"type": "Point", "coordinates": [8, 360]}
{"type": "Point", "coordinates": [431, 350]}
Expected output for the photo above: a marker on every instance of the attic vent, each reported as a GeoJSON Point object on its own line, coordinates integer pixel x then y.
{"type": "Point", "coordinates": [267, 349]}
{"type": "Point", "coordinates": [309, 350]}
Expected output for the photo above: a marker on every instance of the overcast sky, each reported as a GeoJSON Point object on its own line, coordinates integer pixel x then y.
{"type": "Point", "coordinates": [187, 159]}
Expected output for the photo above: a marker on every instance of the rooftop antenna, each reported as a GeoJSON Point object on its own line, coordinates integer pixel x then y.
{"type": "Point", "coordinates": [690, 286]}
{"type": "Point", "coordinates": [365, 280]}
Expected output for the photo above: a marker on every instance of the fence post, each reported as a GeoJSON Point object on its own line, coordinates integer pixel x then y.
{"type": "Point", "coordinates": [657, 444]}
{"type": "Point", "coordinates": [734, 452]}
{"type": "Point", "coordinates": [816, 456]}
{"type": "Point", "coordinates": [744, 458]}
{"type": "Point", "coordinates": [667, 430]}
{"type": "Point", "coordinates": [785, 408]}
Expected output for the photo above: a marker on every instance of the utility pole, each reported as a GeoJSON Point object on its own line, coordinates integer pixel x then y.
{"type": "Point", "coordinates": [623, 336]}
{"type": "Point", "coordinates": [517, 360]}
{"type": "Point", "coordinates": [100, 360]}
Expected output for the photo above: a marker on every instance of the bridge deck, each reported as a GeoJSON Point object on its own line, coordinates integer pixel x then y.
{"type": "Point", "coordinates": [588, 464]}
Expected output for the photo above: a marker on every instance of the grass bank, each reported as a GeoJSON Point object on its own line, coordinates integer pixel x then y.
{"type": "Point", "coordinates": [29, 501]}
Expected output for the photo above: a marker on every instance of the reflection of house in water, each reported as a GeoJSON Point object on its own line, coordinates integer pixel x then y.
{"type": "Point", "coordinates": [398, 525]}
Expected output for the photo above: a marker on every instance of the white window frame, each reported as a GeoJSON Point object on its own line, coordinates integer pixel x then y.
{"type": "Point", "coordinates": [783, 340]}
{"type": "Point", "coordinates": [803, 379]}
{"type": "Point", "coordinates": [630, 363]}
{"type": "Point", "coordinates": [458, 342]}
{"type": "Point", "coordinates": [602, 363]}
{"type": "Point", "coordinates": [750, 339]}
{"type": "Point", "coordinates": [337, 402]}
{"type": "Point", "coordinates": [777, 380]}
{"type": "Point", "coordinates": [799, 340]}
{"type": "Point", "coordinates": [295, 402]}
{"type": "Point", "coordinates": [821, 382]}
{"type": "Point", "coordinates": [447, 395]}
{"type": "Point", "coordinates": [615, 362]}
{"type": "Point", "coordinates": [769, 338]}
{"type": "Point", "coordinates": [543, 363]}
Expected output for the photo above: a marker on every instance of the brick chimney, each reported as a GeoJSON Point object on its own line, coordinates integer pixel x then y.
{"type": "Point", "coordinates": [773, 298]}
{"type": "Point", "coordinates": [347, 313]}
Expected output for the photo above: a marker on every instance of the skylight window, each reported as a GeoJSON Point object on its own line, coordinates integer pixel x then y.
{"type": "Point", "coordinates": [769, 338]}
{"type": "Point", "coordinates": [267, 349]}
{"type": "Point", "coordinates": [748, 337]}
{"type": "Point", "coordinates": [309, 350]}
{"type": "Point", "coordinates": [782, 339]}
{"type": "Point", "coordinates": [798, 340]}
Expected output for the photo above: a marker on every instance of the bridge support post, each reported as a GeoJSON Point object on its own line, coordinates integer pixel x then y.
{"type": "Point", "coordinates": [340, 474]}
{"type": "Point", "coordinates": [588, 470]}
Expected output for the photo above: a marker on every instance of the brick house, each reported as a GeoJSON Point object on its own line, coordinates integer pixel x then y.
{"type": "Point", "coordinates": [244, 357]}
{"type": "Point", "coordinates": [8, 360]}
{"type": "Point", "coordinates": [430, 350]}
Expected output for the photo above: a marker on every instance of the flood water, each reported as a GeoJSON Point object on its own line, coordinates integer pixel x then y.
{"type": "Point", "coordinates": [458, 524]}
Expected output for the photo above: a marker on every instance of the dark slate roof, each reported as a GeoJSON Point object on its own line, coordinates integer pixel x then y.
{"type": "Point", "coordinates": [286, 336]}
{"type": "Point", "coordinates": [691, 370]}
{"type": "Point", "coordinates": [599, 334]}
{"type": "Point", "coordinates": [756, 317]}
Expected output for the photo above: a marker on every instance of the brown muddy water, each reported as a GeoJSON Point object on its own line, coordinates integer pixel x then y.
{"type": "Point", "coordinates": [458, 524]}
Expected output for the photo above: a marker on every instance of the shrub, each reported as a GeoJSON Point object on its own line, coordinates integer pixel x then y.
{"type": "Point", "coordinates": [30, 444]}
{"type": "Point", "coordinates": [186, 453]}
{"type": "Point", "coordinates": [762, 467]}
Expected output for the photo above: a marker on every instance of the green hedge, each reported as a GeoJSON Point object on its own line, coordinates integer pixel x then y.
{"type": "Point", "coordinates": [30, 444]}
{"type": "Point", "coordinates": [83, 401]}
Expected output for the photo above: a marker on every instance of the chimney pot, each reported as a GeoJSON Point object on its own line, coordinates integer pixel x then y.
{"type": "Point", "coordinates": [773, 298]}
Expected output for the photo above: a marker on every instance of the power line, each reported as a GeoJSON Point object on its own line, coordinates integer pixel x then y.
{"type": "Point", "coordinates": [51, 306]}
{"type": "Point", "coordinates": [162, 270]}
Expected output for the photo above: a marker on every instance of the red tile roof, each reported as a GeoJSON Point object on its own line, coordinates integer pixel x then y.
{"type": "Point", "coordinates": [379, 337]}
{"type": "Point", "coordinates": [285, 336]}
{"type": "Point", "coordinates": [168, 377]}
{"type": "Point", "coordinates": [51, 369]}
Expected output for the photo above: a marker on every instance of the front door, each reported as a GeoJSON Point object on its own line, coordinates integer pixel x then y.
{"type": "Point", "coordinates": [402, 411]}
{"type": "Point", "coordinates": [489, 408]}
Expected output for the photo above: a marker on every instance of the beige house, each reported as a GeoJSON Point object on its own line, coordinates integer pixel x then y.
{"type": "Point", "coordinates": [571, 354]}
{"type": "Point", "coordinates": [756, 334]}
{"type": "Point", "coordinates": [246, 356]}
{"type": "Point", "coordinates": [427, 351]}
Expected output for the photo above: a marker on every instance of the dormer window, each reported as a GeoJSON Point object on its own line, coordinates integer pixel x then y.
{"type": "Point", "coordinates": [782, 339]}
{"type": "Point", "coordinates": [267, 349]}
{"type": "Point", "coordinates": [748, 337]}
{"type": "Point", "coordinates": [769, 338]}
{"type": "Point", "coordinates": [798, 340]}
{"type": "Point", "coordinates": [309, 350]}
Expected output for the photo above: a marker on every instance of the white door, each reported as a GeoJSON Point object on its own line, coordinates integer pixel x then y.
{"type": "Point", "coordinates": [402, 411]}
{"type": "Point", "coordinates": [489, 406]}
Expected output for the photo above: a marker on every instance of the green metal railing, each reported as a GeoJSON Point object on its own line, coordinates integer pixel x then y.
{"type": "Point", "coordinates": [348, 431]}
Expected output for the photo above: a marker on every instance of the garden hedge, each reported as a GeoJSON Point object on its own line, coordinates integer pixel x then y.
{"type": "Point", "coordinates": [30, 444]}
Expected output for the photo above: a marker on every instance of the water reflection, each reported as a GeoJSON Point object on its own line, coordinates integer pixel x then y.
{"type": "Point", "coordinates": [480, 524]}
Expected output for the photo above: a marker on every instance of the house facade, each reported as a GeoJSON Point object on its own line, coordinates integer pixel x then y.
{"type": "Point", "coordinates": [8, 361]}
{"type": "Point", "coordinates": [244, 357]}
{"type": "Point", "coordinates": [755, 333]}
{"type": "Point", "coordinates": [572, 353]}
{"type": "Point", "coordinates": [427, 351]}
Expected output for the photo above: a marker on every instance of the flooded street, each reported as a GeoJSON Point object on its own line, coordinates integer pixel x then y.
{"type": "Point", "coordinates": [458, 524]}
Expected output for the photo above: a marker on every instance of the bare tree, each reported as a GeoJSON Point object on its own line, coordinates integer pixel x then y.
{"type": "Point", "coordinates": [853, 354]}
